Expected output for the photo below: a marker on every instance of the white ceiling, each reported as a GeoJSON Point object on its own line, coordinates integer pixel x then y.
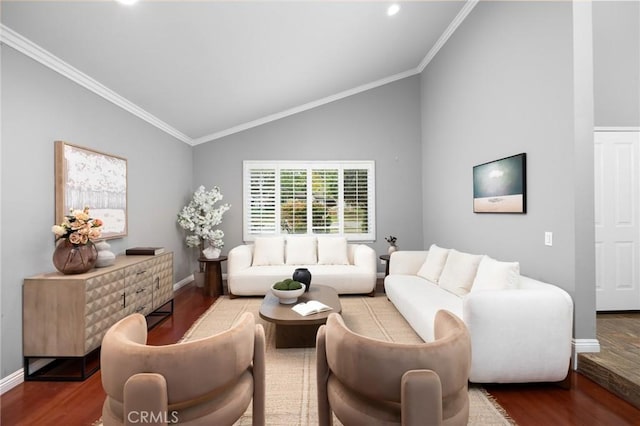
{"type": "Point", "coordinates": [204, 69]}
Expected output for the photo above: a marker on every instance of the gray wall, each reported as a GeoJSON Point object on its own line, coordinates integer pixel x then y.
{"type": "Point", "coordinates": [40, 106]}
{"type": "Point", "coordinates": [382, 124]}
{"type": "Point", "coordinates": [616, 50]}
{"type": "Point", "coordinates": [504, 84]}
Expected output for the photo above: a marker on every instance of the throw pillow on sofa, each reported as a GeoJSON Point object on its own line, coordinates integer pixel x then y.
{"type": "Point", "coordinates": [332, 251]}
{"type": "Point", "coordinates": [432, 267]}
{"type": "Point", "coordinates": [268, 251]}
{"type": "Point", "coordinates": [495, 275]}
{"type": "Point", "coordinates": [459, 272]}
{"type": "Point", "coordinates": [301, 250]}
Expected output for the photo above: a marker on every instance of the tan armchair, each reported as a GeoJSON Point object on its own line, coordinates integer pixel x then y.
{"type": "Point", "coordinates": [209, 381]}
{"type": "Point", "coordinates": [372, 382]}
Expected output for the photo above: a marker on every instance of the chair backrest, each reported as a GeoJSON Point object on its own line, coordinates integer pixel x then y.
{"type": "Point", "coordinates": [374, 368]}
{"type": "Point", "coordinates": [191, 369]}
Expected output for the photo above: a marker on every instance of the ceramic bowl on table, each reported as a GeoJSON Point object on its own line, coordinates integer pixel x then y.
{"type": "Point", "coordinates": [288, 297]}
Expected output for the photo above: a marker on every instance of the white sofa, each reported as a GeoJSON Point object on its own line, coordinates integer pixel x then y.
{"type": "Point", "coordinates": [349, 268]}
{"type": "Point", "coordinates": [520, 328]}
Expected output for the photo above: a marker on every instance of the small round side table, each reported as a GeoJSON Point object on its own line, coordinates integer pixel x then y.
{"type": "Point", "coordinates": [213, 275]}
{"type": "Point", "coordinates": [386, 258]}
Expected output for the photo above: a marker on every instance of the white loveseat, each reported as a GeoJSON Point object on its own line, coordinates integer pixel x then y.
{"type": "Point", "coordinates": [349, 268]}
{"type": "Point", "coordinates": [520, 328]}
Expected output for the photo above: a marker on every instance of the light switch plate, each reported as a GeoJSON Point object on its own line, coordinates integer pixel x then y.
{"type": "Point", "coordinates": [548, 238]}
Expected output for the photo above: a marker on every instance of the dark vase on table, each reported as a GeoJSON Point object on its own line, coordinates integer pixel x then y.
{"type": "Point", "coordinates": [302, 275]}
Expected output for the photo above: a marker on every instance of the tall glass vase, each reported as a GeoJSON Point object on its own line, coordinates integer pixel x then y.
{"type": "Point", "coordinates": [74, 259]}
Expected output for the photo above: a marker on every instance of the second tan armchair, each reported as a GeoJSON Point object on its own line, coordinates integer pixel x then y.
{"type": "Point", "coordinates": [209, 381]}
{"type": "Point", "coordinates": [372, 382]}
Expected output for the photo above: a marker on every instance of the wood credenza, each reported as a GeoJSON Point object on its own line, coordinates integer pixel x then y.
{"type": "Point", "coordinates": [64, 317]}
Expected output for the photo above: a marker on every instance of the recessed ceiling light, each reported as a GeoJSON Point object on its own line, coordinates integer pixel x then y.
{"type": "Point", "coordinates": [127, 2]}
{"type": "Point", "coordinates": [393, 9]}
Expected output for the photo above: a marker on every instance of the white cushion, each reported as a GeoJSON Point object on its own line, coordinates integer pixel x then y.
{"type": "Point", "coordinates": [432, 267]}
{"type": "Point", "coordinates": [459, 272]}
{"type": "Point", "coordinates": [495, 275]}
{"type": "Point", "coordinates": [301, 250]}
{"type": "Point", "coordinates": [268, 251]}
{"type": "Point", "coordinates": [332, 251]}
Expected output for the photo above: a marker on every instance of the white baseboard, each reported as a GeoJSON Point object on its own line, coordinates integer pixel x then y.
{"type": "Point", "coordinates": [11, 381]}
{"type": "Point", "coordinates": [581, 346]}
{"type": "Point", "coordinates": [183, 282]}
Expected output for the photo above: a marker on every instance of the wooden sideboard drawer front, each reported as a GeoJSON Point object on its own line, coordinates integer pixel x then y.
{"type": "Point", "coordinates": [104, 303]}
{"type": "Point", "coordinates": [68, 315]}
{"type": "Point", "coordinates": [138, 288]}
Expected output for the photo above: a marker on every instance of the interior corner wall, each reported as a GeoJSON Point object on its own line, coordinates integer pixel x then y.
{"type": "Point", "coordinates": [381, 124]}
{"type": "Point", "coordinates": [616, 50]}
{"type": "Point", "coordinates": [504, 84]}
{"type": "Point", "coordinates": [40, 106]}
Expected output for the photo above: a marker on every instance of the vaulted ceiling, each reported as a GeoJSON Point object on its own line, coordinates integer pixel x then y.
{"type": "Point", "coordinates": [201, 70]}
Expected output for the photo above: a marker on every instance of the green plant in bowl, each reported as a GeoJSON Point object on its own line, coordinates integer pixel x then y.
{"type": "Point", "coordinates": [287, 291]}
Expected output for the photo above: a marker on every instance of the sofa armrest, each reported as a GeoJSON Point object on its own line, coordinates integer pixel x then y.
{"type": "Point", "coordinates": [406, 262]}
{"type": "Point", "coordinates": [365, 257]}
{"type": "Point", "coordinates": [239, 258]}
{"type": "Point", "coordinates": [521, 333]}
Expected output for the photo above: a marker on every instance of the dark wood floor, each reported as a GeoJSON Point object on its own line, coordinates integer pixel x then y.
{"type": "Point", "coordinates": [80, 403]}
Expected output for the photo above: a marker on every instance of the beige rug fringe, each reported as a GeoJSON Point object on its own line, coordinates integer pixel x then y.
{"type": "Point", "coordinates": [497, 406]}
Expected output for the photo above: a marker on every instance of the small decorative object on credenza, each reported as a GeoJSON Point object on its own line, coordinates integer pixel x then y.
{"type": "Point", "coordinates": [303, 276]}
{"type": "Point", "coordinates": [200, 219]}
{"type": "Point", "coordinates": [392, 243]}
{"type": "Point", "coordinates": [75, 252]}
{"type": "Point", "coordinates": [144, 251]}
{"type": "Point", "coordinates": [105, 256]}
{"type": "Point", "coordinates": [287, 291]}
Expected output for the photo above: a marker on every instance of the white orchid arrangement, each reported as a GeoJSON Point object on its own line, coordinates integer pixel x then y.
{"type": "Point", "coordinates": [200, 217]}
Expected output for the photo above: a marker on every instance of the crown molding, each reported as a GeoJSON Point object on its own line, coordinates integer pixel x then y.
{"type": "Point", "coordinates": [32, 50]}
{"type": "Point", "coordinates": [453, 26]}
{"type": "Point", "coordinates": [305, 107]}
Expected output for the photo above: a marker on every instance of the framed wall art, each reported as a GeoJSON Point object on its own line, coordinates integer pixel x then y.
{"type": "Point", "coordinates": [88, 178]}
{"type": "Point", "coordinates": [500, 186]}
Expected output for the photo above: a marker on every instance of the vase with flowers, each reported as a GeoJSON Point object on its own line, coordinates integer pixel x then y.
{"type": "Point", "coordinates": [392, 243]}
{"type": "Point", "coordinates": [75, 251]}
{"type": "Point", "coordinates": [200, 218]}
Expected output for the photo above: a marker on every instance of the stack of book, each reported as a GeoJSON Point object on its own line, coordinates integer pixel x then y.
{"type": "Point", "coordinates": [145, 251]}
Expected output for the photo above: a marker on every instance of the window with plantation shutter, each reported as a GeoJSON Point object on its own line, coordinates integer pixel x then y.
{"type": "Point", "coordinates": [316, 197]}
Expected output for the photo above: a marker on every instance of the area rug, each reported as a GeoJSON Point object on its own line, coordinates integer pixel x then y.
{"type": "Point", "coordinates": [291, 378]}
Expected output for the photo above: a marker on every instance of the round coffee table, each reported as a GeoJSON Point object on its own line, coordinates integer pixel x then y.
{"type": "Point", "coordinates": [292, 329]}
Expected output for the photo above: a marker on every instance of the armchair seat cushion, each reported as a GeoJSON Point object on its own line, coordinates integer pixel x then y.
{"type": "Point", "coordinates": [419, 301]}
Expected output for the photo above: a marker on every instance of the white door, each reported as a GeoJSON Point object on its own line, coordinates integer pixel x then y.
{"type": "Point", "coordinates": [617, 201]}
